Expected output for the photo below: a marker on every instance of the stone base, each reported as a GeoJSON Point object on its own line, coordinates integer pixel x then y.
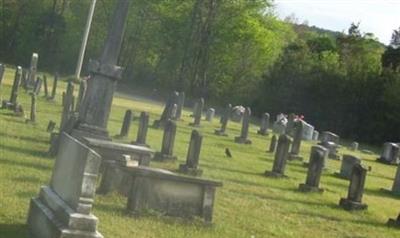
{"type": "Point", "coordinates": [351, 205]}
{"type": "Point", "coordinates": [274, 174]}
{"type": "Point", "coordinates": [220, 133]}
{"type": "Point", "coordinates": [183, 168]}
{"type": "Point", "coordinates": [158, 156]}
{"type": "Point", "coordinates": [306, 188]}
{"type": "Point", "coordinates": [241, 140]}
{"type": "Point", "coordinates": [50, 217]}
{"type": "Point", "coordinates": [263, 133]}
{"type": "Point", "coordinates": [383, 161]}
{"type": "Point", "coordinates": [295, 157]}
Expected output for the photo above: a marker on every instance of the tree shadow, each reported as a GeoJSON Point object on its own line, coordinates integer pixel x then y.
{"type": "Point", "coordinates": [25, 164]}
{"type": "Point", "coordinates": [28, 151]}
{"type": "Point", "coordinates": [27, 179]}
{"type": "Point", "coordinates": [231, 170]}
{"type": "Point", "coordinates": [13, 230]}
{"type": "Point", "coordinates": [385, 192]}
{"type": "Point", "coordinates": [26, 138]}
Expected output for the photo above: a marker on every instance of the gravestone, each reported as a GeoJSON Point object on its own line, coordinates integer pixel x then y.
{"type": "Point", "coordinates": [142, 130]}
{"type": "Point", "coordinates": [396, 183]}
{"type": "Point", "coordinates": [81, 94]}
{"type": "Point", "coordinates": [63, 209]}
{"type": "Point", "coordinates": [308, 131]}
{"type": "Point", "coordinates": [354, 146]}
{"type": "Point", "coordinates": [210, 114]}
{"type": "Point", "coordinates": [272, 145]}
{"type": "Point", "coordinates": [54, 90]}
{"type": "Point", "coordinates": [167, 147]}
{"type": "Point", "coordinates": [297, 130]}
{"type": "Point", "coordinates": [348, 162]}
{"type": "Point", "coordinates": [394, 222]}
{"type": "Point", "coordinates": [290, 124]}
{"type": "Point", "coordinates": [2, 70]}
{"type": "Point", "coordinates": [197, 113]}
{"type": "Point", "coordinates": [315, 166]}
{"type": "Point", "coordinates": [332, 148]}
{"type": "Point", "coordinates": [51, 126]}
{"type": "Point", "coordinates": [193, 155]}
{"type": "Point", "coordinates": [315, 135]}
{"type": "Point", "coordinates": [181, 104]}
{"type": "Point", "coordinates": [46, 89]}
{"type": "Point", "coordinates": [32, 118]}
{"type": "Point", "coordinates": [32, 70]}
{"type": "Point", "coordinates": [38, 86]}
{"type": "Point", "coordinates": [224, 121]}
{"type": "Point", "coordinates": [390, 153]}
{"type": "Point", "coordinates": [264, 125]}
{"type": "Point", "coordinates": [329, 136]}
{"type": "Point", "coordinates": [126, 125]}
{"type": "Point", "coordinates": [24, 79]}
{"type": "Point", "coordinates": [173, 111]}
{"type": "Point", "coordinates": [281, 155]}
{"type": "Point", "coordinates": [237, 113]}
{"type": "Point", "coordinates": [68, 105]}
{"type": "Point", "coordinates": [356, 189]}
{"type": "Point", "coordinates": [243, 138]}
{"type": "Point", "coordinates": [12, 104]}
{"type": "Point", "coordinates": [168, 111]}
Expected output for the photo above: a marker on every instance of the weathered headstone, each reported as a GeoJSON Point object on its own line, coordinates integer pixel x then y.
{"type": "Point", "coordinates": [126, 125]}
{"type": "Point", "coordinates": [24, 79]}
{"type": "Point", "coordinates": [46, 89]}
{"type": "Point", "coordinates": [193, 155]}
{"type": "Point", "coordinates": [142, 131]}
{"type": "Point", "coordinates": [264, 125]}
{"type": "Point", "coordinates": [12, 103]}
{"type": "Point", "coordinates": [210, 114]}
{"type": "Point", "coordinates": [243, 138]}
{"type": "Point", "coordinates": [281, 155]}
{"type": "Point", "coordinates": [315, 135]}
{"type": "Point", "coordinates": [63, 209]}
{"type": "Point", "coordinates": [54, 90]}
{"type": "Point", "coordinates": [32, 70]}
{"type": "Point", "coordinates": [2, 70]}
{"type": "Point", "coordinates": [394, 222]}
{"type": "Point", "coordinates": [168, 111]}
{"type": "Point", "coordinates": [315, 167]}
{"type": "Point", "coordinates": [237, 113]}
{"type": "Point", "coordinates": [354, 146]}
{"type": "Point", "coordinates": [297, 130]}
{"type": "Point", "coordinates": [181, 104]}
{"type": "Point", "coordinates": [290, 124]}
{"type": "Point", "coordinates": [348, 162]}
{"type": "Point", "coordinates": [329, 136]}
{"type": "Point", "coordinates": [308, 131]}
{"type": "Point", "coordinates": [396, 183]}
{"type": "Point", "coordinates": [224, 121]}
{"type": "Point", "coordinates": [81, 94]}
{"type": "Point", "coordinates": [167, 147]}
{"type": "Point", "coordinates": [51, 126]}
{"type": "Point", "coordinates": [32, 118]}
{"type": "Point", "coordinates": [272, 145]}
{"type": "Point", "coordinates": [67, 105]}
{"type": "Point", "coordinates": [38, 86]}
{"type": "Point", "coordinates": [197, 114]}
{"type": "Point", "coordinates": [390, 153]}
{"type": "Point", "coordinates": [356, 189]}
{"type": "Point", "coordinates": [332, 148]}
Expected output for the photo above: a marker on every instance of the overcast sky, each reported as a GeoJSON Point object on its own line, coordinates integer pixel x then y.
{"type": "Point", "coordinates": [379, 17]}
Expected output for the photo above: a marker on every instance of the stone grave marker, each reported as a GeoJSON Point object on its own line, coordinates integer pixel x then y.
{"type": "Point", "coordinates": [2, 70]}
{"type": "Point", "coordinates": [290, 124]}
{"type": "Point", "coordinates": [197, 113]}
{"type": "Point", "coordinates": [81, 94]}
{"type": "Point", "coordinates": [63, 209]}
{"type": "Point", "coordinates": [142, 130]}
{"type": "Point", "coordinates": [181, 104]}
{"type": "Point", "coordinates": [210, 114]}
{"type": "Point", "coordinates": [67, 105]}
{"type": "Point", "coordinates": [297, 130]}
{"type": "Point", "coordinates": [54, 90]}
{"type": "Point", "coordinates": [315, 167]}
{"type": "Point", "coordinates": [396, 183]}
{"type": "Point", "coordinates": [272, 145]}
{"type": "Point", "coordinates": [308, 131]}
{"type": "Point", "coordinates": [354, 146]}
{"type": "Point", "coordinates": [224, 121]}
{"type": "Point", "coordinates": [390, 153]}
{"type": "Point", "coordinates": [315, 135]}
{"type": "Point", "coordinates": [264, 125]}
{"type": "Point", "coordinates": [12, 103]}
{"type": "Point", "coordinates": [32, 118]}
{"type": "Point", "coordinates": [173, 111]}
{"type": "Point", "coordinates": [348, 162]}
{"type": "Point", "coordinates": [243, 138]}
{"type": "Point", "coordinates": [38, 86]}
{"type": "Point", "coordinates": [193, 155]}
{"type": "Point", "coordinates": [51, 126]}
{"type": "Point", "coordinates": [167, 113]}
{"type": "Point", "coordinates": [329, 136]}
{"type": "Point", "coordinates": [167, 147]}
{"type": "Point", "coordinates": [332, 149]}
{"type": "Point", "coordinates": [237, 113]}
{"type": "Point", "coordinates": [46, 89]}
{"type": "Point", "coordinates": [281, 155]}
{"type": "Point", "coordinates": [126, 125]}
{"type": "Point", "coordinates": [32, 71]}
{"type": "Point", "coordinates": [356, 189]}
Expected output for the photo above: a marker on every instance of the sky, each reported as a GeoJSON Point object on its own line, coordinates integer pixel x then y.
{"type": "Point", "coordinates": [379, 17]}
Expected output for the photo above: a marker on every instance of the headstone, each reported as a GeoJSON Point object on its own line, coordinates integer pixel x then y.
{"type": "Point", "coordinates": [46, 89]}
{"type": "Point", "coordinates": [243, 138]}
{"type": "Point", "coordinates": [167, 147]}
{"type": "Point", "coordinates": [12, 103]}
{"type": "Point", "coordinates": [237, 113]}
{"type": "Point", "coordinates": [181, 104]}
{"type": "Point", "coordinates": [272, 145]}
{"type": "Point", "coordinates": [297, 130]}
{"type": "Point", "coordinates": [51, 126]}
{"type": "Point", "coordinates": [390, 153]}
{"type": "Point", "coordinates": [142, 131]}
{"type": "Point", "coordinates": [174, 111]}
{"type": "Point", "coordinates": [290, 124]}
{"type": "Point", "coordinates": [24, 79]}
{"type": "Point", "coordinates": [210, 114]}
{"type": "Point", "coordinates": [394, 222]}
{"type": "Point", "coordinates": [32, 118]}
{"type": "Point", "coordinates": [54, 90]}
{"type": "Point", "coordinates": [33, 69]}
{"type": "Point", "coordinates": [193, 155]}
{"type": "Point", "coordinates": [315, 135]}
{"type": "Point", "coordinates": [308, 131]}
{"type": "Point", "coordinates": [126, 125]}
{"type": "Point", "coordinates": [329, 136]}
{"type": "Point", "coordinates": [348, 162]}
{"type": "Point", "coordinates": [67, 105]}
{"type": "Point", "coordinates": [281, 155]}
{"type": "Point", "coordinates": [197, 114]}
{"type": "Point", "coordinates": [332, 148]}
{"type": "Point", "coordinates": [280, 124]}
{"type": "Point", "coordinates": [264, 125]}
{"type": "Point", "coordinates": [2, 70]}
{"type": "Point", "coordinates": [224, 121]}
{"type": "Point", "coordinates": [168, 111]}
{"type": "Point", "coordinates": [81, 95]}
{"type": "Point", "coordinates": [356, 189]}
{"type": "Point", "coordinates": [396, 183]}
{"type": "Point", "coordinates": [38, 86]}
{"type": "Point", "coordinates": [63, 209]}
{"type": "Point", "coordinates": [315, 166]}
{"type": "Point", "coordinates": [354, 146]}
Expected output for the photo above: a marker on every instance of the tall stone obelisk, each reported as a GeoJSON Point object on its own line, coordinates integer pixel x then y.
{"type": "Point", "coordinates": [104, 74]}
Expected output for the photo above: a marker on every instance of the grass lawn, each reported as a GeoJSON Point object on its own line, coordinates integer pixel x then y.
{"type": "Point", "coordinates": [248, 204]}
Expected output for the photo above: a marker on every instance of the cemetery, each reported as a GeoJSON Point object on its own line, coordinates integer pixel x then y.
{"type": "Point", "coordinates": [87, 158]}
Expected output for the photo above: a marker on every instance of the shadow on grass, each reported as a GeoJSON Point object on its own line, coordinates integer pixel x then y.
{"type": "Point", "coordinates": [28, 151]}
{"type": "Point", "coordinates": [25, 164]}
{"type": "Point", "coordinates": [27, 179]}
{"type": "Point", "coordinates": [13, 230]}
{"type": "Point", "coordinates": [26, 194]}
{"type": "Point", "coordinates": [381, 193]}
{"type": "Point", "coordinates": [232, 170]}
{"type": "Point", "coordinates": [26, 138]}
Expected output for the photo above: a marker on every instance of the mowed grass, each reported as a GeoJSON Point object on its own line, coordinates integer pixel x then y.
{"type": "Point", "coordinates": [248, 205]}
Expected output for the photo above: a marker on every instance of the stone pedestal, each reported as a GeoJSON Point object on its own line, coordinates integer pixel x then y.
{"type": "Point", "coordinates": [142, 130]}
{"type": "Point", "coordinates": [272, 145]}
{"type": "Point", "coordinates": [297, 130]}
{"type": "Point", "coordinates": [193, 156]}
{"type": "Point", "coordinates": [210, 114]}
{"type": "Point", "coordinates": [315, 167]}
{"type": "Point", "coordinates": [169, 112]}
{"type": "Point", "coordinates": [126, 124]}
{"type": "Point", "coordinates": [281, 155]}
{"type": "Point", "coordinates": [390, 154]}
{"type": "Point", "coordinates": [198, 110]}
{"type": "Point", "coordinates": [12, 104]}
{"type": "Point", "coordinates": [243, 138]}
{"type": "Point", "coordinates": [356, 190]}
{"type": "Point", "coordinates": [224, 121]}
{"type": "Point", "coordinates": [168, 142]}
{"type": "Point", "coordinates": [264, 125]}
{"type": "Point", "coordinates": [348, 162]}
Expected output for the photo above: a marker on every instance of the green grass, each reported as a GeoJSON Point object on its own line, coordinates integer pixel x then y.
{"type": "Point", "coordinates": [248, 205]}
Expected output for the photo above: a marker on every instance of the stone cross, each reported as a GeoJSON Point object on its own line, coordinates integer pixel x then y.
{"type": "Point", "coordinates": [95, 108]}
{"type": "Point", "coordinates": [315, 166]}
{"type": "Point", "coordinates": [142, 131]}
{"type": "Point", "coordinates": [168, 111]}
{"type": "Point", "coordinates": [298, 127]}
{"type": "Point", "coordinates": [315, 135]}
{"type": "Point", "coordinates": [2, 70]}
{"type": "Point", "coordinates": [193, 155]}
{"type": "Point", "coordinates": [210, 114]}
{"type": "Point", "coordinates": [272, 145]}
{"type": "Point", "coordinates": [64, 208]}
{"type": "Point", "coordinates": [54, 90]}
{"type": "Point", "coordinates": [356, 189]}
{"type": "Point", "coordinates": [181, 104]}
{"type": "Point", "coordinates": [348, 162]}
{"type": "Point", "coordinates": [12, 104]}
{"type": "Point", "coordinates": [38, 86]}
{"type": "Point", "coordinates": [81, 95]}
{"type": "Point", "coordinates": [67, 105]}
{"type": "Point", "coordinates": [46, 90]}
{"type": "Point", "coordinates": [167, 147]}
{"type": "Point", "coordinates": [224, 121]}
{"type": "Point", "coordinates": [32, 118]}
{"type": "Point", "coordinates": [33, 69]}
{"type": "Point", "coordinates": [243, 138]}
{"type": "Point", "coordinates": [281, 155]}
{"type": "Point", "coordinates": [264, 125]}
{"type": "Point", "coordinates": [197, 113]}
{"type": "Point", "coordinates": [126, 125]}
{"type": "Point", "coordinates": [390, 154]}
{"type": "Point", "coordinates": [354, 146]}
